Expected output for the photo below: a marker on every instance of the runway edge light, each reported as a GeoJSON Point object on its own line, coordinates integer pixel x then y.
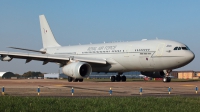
{"type": "Point", "coordinates": [196, 89]}
{"type": "Point", "coordinates": [140, 90]}
{"type": "Point", "coordinates": [3, 90]}
{"type": "Point", "coordinates": [38, 90]}
{"type": "Point", "coordinates": [169, 90]}
{"type": "Point", "coordinates": [110, 91]}
{"type": "Point", "coordinates": [72, 91]}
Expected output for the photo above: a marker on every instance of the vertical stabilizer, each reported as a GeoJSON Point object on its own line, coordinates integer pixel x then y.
{"type": "Point", "coordinates": [48, 39]}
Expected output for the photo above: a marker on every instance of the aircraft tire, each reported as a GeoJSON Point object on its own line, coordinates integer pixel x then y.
{"type": "Point", "coordinates": [164, 79]}
{"type": "Point", "coordinates": [118, 78]}
{"type": "Point", "coordinates": [70, 79]}
{"type": "Point", "coordinates": [123, 78]}
{"type": "Point", "coordinates": [75, 80]}
{"type": "Point", "coordinates": [168, 79]}
{"type": "Point", "coordinates": [80, 80]}
{"type": "Point", "coordinates": [112, 78]}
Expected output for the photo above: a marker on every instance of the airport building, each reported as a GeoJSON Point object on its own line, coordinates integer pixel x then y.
{"type": "Point", "coordinates": [6, 75]}
{"type": "Point", "coordinates": [54, 76]}
{"type": "Point", "coordinates": [186, 74]}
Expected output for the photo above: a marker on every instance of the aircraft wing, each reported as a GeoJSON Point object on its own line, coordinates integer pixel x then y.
{"type": "Point", "coordinates": [62, 59]}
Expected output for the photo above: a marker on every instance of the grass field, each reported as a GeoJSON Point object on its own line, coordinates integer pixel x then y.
{"type": "Point", "coordinates": [99, 104]}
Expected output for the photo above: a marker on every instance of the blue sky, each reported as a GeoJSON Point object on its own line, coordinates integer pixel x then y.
{"type": "Point", "coordinates": [96, 21]}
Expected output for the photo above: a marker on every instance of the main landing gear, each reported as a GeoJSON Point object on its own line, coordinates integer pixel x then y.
{"type": "Point", "coordinates": [70, 79]}
{"type": "Point", "coordinates": [118, 78]}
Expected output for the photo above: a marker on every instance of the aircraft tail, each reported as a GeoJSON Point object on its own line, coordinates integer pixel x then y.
{"type": "Point", "coordinates": [48, 39]}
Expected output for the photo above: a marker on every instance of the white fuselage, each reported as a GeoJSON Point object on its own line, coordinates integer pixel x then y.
{"type": "Point", "coordinates": [147, 55]}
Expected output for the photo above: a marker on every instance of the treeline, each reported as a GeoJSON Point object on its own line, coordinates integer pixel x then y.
{"type": "Point", "coordinates": [30, 74]}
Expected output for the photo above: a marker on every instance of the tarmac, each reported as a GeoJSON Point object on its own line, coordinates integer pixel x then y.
{"type": "Point", "coordinates": [63, 88]}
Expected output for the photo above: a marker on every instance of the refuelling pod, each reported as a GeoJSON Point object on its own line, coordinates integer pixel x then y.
{"type": "Point", "coordinates": [5, 58]}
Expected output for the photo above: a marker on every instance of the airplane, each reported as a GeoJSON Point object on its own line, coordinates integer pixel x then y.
{"type": "Point", "coordinates": [154, 58]}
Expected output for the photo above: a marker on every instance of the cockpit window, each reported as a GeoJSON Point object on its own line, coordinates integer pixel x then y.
{"type": "Point", "coordinates": [184, 48]}
{"type": "Point", "coordinates": [181, 48]}
{"type": "Point", "coordinates": [176, 48]}
{"type": "Point", "coordinates": [187, 47]}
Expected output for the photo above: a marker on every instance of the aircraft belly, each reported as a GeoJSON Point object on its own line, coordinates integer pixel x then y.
{"type": "Point", "coordinates": [107, 68]}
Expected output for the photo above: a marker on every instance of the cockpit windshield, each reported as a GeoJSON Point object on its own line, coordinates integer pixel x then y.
{"type": "Point", "coordinates": [182, 48]}
{"type": "Point", "coordinates": [187, 47]}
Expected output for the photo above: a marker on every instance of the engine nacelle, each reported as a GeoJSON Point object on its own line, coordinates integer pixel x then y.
{"type": "Point", "coordinates": [6, 58]}
{"type": "Point", "coordinates": [157, 74]}
{"type": "Point", "coordinates": [77, 69]}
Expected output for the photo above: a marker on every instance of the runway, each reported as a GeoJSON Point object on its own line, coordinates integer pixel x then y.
{"type": "Point", "coordinates": [62, 88]}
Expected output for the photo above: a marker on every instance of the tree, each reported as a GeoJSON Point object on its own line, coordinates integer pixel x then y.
{"type": "Point", "coordinates": [33, 74]}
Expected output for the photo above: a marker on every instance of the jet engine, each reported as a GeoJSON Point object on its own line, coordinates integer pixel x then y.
{"type": "Point", "coordinates": [77, 70]}
{"type": "Point", "coordinates": [5, 58]}
{"type": "Point", "coordinates": [157, 74]}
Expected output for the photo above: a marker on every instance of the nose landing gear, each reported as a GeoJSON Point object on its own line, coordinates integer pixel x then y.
{"type": "Point", "coordinates": [166, 78]}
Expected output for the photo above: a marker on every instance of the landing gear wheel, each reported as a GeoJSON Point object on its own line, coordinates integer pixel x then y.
{"type": "Point", "coordinates": [164, 79]}
{"type": "Point", "coordinates": [167, 79]}
{"type": "Point", "coordinates": [70, 79]}
{"type": "Point", "coordinates": [123, 78]}
{"type": "Point", "coordinates": [118, 78]}
{"type": "Point", "coordinates": [80, 80]}
{"type": "Point", "coordinates": [112, 78]}
{"type": "Point", "coordinates": [75, 80]}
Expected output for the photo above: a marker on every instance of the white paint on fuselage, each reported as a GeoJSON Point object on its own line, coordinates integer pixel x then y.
{"type": "Point", "coordinates": [148, 55]}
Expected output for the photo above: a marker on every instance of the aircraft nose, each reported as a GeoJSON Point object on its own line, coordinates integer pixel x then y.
{"type": "Point", "coordinates": [189, 56]}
